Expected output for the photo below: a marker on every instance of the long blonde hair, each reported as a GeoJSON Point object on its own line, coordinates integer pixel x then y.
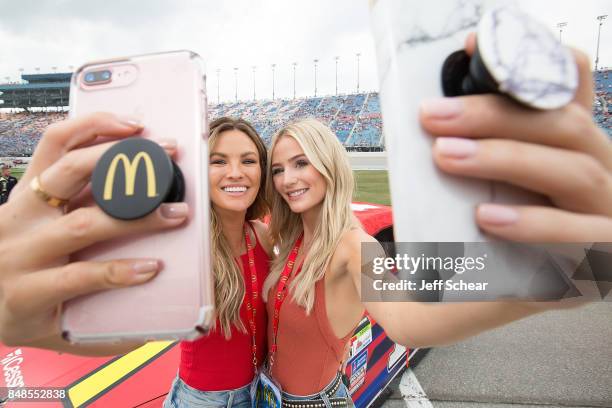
{"type": "Point", "coordinates": [329, 158]}
{"type": "Point", "coordinates": [229, 284]}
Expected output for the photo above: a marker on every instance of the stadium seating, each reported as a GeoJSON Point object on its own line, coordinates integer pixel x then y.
{"type": "Point", "coordinates": [356, 118]}
{"type": "Point", "coordinates": [602, 104]}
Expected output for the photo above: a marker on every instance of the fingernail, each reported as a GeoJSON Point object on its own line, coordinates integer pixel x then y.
{"type": "Point", "coordinates": [455, 147]}
{"type": "Point", "coordinates": [130, 121]}
{"type": "Point", "coordinates": [167, 144]}
{"type": "Point", "coordinates": [145, 267]}
{"type": "Point", "coordinates": [442, 108]}
{"type": "Point", "coordinates": [497, 214]}
{"type": "Point", "coordinates": [174, 210]}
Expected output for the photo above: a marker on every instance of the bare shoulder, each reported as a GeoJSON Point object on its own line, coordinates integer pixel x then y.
{"type": "Point", "coordinates": [349, 247]}
{"type": "Point", "coordinates": [261, 229]}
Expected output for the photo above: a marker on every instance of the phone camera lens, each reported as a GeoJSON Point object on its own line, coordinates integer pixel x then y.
{"type": "Point", "coordinates": [90, 77]}
{"type": "Point", "coordinates": [105, 75]}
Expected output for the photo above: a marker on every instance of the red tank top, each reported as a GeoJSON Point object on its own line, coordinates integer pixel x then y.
{"type": "Point", "coordinates": [309, 354]}
{"type": "Point", "coordinates": [212, 363]}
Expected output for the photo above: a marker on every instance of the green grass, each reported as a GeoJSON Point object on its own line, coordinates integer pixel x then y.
{"type": "Point", "coordinates": [17, 172]}
{"type": "Point", "coordinates": [372, 186]}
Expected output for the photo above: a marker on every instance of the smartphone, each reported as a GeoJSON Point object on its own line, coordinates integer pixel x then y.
{"type": "Point", "coordinates": [413, 39]}
{"type": "Point", "coordinates": [167, 93]}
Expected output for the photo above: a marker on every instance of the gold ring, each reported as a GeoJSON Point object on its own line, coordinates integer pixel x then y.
{"type": "Point", "coordinates": [46, 197]}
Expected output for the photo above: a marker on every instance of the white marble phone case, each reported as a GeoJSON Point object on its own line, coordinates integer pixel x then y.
{"type": "Point", "coordinates": [412, 39]}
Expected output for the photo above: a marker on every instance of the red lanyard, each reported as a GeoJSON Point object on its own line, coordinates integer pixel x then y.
{"type": "Point", "coordinates": [279, 298]}
{"type": "Point", "coordinates": [251, 307]}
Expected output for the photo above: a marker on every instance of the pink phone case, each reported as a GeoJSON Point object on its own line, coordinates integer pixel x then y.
{"type": "Point", "coordinates": [166, 91]}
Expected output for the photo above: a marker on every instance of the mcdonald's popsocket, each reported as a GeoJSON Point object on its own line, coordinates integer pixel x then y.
{"type": "Point", "coordinates": [515, 56]}
{"type": "Point", "coordinates": [134, 177]}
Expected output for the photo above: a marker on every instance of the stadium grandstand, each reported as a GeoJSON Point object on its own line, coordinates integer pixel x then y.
{"type": "Point", "coordinates": [28, 108]}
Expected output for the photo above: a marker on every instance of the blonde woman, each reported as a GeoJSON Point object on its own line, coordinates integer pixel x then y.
{"type": "Point", "coordinates": [217, 369]}
{"type": "Point", "coordinates": [314, 288]}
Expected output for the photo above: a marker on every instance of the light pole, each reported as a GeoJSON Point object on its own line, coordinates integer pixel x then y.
{"type": "Point", "coordinates": [315, 76]}
{"type": "Point", "coordinates": [294, 64]}
{"type": "Point", "coordinates": [337, 58]}
{"type": "Point", "coordinates": [273, 68]}
{"type": "Point", "coordinates": [236, 84]}
{"type": "Point", "coordinates": [358, 55]}
{"type": "Point", "coordinates": [254, 69]}
{"type": "Point", "coordinates": [218, 72]}
{"type": "Point", "coordinates": [601, 20]}
{"type": "Point", "coordinates": [560, 26]}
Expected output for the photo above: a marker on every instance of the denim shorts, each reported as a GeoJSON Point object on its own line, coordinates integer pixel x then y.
{"type": "Point", "coordinates": [341, 392]}
{"type": "Point", "coordinates": [182, 395]}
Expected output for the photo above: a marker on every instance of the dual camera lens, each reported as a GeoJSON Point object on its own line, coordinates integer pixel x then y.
{"type": "Point", "coordinates": [97, 77]}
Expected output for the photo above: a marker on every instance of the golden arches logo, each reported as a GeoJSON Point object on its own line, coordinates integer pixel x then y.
{"type": "Point", "coordinates": [130, 168]}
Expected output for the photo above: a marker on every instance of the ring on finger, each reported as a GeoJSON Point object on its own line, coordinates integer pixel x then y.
{"type": "Point", "coordinates": [45, 196]}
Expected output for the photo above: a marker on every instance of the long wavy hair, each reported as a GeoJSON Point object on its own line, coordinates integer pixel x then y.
{"type": "Point", "coordinates": [229, 284]}
{"type": "Point", "coordinates": [328, 156]}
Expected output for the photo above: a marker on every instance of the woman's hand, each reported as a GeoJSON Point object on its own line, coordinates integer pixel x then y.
{"type": "Point", "coordinates": [561, 154]}
{"type": "Point", "coordinates": [37, 239]}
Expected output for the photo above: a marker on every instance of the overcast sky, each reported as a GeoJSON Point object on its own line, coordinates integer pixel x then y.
{"type": "Point", "coordinates": [237, 33]}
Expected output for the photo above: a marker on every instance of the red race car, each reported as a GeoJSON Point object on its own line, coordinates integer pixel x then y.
{"type": "Point", "coordinates": [142, 377]}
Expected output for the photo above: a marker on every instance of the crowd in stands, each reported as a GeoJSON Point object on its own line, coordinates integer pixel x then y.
{"type": "Point", "coordinates": [356, 118]}
{"type": "Point", "coordinates": [20, 132]}
{"type": "Point", "coordinates": [602, 105]}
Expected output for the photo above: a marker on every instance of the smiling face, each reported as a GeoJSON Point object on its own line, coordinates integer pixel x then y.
{"type": "Point", "coordinates": [234, 171]}
{"type": "Point", "coordinates": [295, 178]}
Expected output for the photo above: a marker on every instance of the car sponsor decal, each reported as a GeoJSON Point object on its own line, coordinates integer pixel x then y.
{"type": "Point", "coordinates": [359, 367]}
{"type": "Point", "coordinates": [11, 367]}
{"type": "Point", "coordinates": [362, 337]}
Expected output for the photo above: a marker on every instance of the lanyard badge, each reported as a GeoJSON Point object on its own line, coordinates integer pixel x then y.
{"type": "Point", "coordinates": [265, 391]}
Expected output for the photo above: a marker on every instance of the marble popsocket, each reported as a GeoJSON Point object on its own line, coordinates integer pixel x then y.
{"type": "Point", "coordinates": [515, 56]}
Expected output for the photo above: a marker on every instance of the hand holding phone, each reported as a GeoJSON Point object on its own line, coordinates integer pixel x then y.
{"type": "Point", "coordinates": [39, 233]}
{"type": "Point", "coordinates": [166, 93]}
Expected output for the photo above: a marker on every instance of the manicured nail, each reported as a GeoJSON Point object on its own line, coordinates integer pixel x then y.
{"type": "Point", "coordinates": [442, 108]}
{"type": "Point", "coordinates": [174, 210]}
{"type": "Point", "coordinates": [130, 121]}
{"type": "Point", "coordinates": [497, 214]}
{"type": "Point", "coordinates": [455, 147]}
{"type": "Point", "coordinates": [145, 267]}
{"type": "Point", "coordinates": [167, 144]}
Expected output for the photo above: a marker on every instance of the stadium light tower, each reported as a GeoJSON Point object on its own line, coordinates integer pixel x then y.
{"type": "Point", "coordinates": [601, 20]}
{"type": "Point", "coordinates": [254, 69]}
{"type": "Point", "coordinates": [358, 55]}
{"type": "Point", "coordinates": [20, 74]}
{"type": "Point", "coordinates": [273, 68]}
{"type": "Point", "coordinates": [236, 83]}
{"type": "Point", "coordinates": [218, 72]}
{"type": "Point", "coordinates": [337, 58]}
{"type": "Point", "coordinates": [560, 26]}
{"type": "Point", "coordinates": [315, 76]}
{"type": "Point", "coordinates": [294, 64]}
